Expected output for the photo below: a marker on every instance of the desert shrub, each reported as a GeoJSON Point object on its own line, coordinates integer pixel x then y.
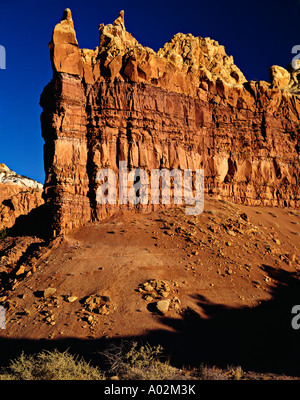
{"type": "Point", "coordinates": [140, 362]}
{"type": "Point", "coordinates": [50, 365]}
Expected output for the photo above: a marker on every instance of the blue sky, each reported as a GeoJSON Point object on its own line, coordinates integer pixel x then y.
{"type": "Point", "coordinates": [257, 34]}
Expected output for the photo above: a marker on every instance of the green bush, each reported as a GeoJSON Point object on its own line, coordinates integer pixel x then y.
{"type": "Point", "coordinates": [50, 365]}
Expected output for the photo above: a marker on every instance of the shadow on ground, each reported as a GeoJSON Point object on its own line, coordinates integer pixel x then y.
{"type": "Point", "coordinates": [259, 339]}
{"type": "Point", "coordinates": [33, 224]}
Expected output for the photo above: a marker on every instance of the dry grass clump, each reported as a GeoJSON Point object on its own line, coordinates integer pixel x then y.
{"type": "Point", "coordinates": [138, 362]}
{"type": "Point", "coordinates": [50, 365]}
{"type": "Point", "coordinates": [124, 361]}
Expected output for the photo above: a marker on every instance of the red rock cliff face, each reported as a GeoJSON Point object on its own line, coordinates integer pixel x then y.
{"type": "Point", "coordinates": [186, 106]}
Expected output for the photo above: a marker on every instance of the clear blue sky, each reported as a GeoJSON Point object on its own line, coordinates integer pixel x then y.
{"type": "Point", "coordinates": [257, 33]}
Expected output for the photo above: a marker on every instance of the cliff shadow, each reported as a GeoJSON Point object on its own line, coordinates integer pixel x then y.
{"type": "Point", "coordinates": [35, 223]}
{"type": "Point", "coordinates": [259, 339]}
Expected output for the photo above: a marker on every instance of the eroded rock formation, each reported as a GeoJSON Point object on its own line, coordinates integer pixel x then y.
{"type": "Point", "coordinates": [186, 106]}
{"type": "Point", "coordinates": [18, 196]}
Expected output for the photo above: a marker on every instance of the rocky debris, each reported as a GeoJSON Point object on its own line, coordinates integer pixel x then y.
{"type": "Point", "coordinates": [97, 303]}
{"type": "Point", "coordinates": [49, 317]}
{"type": "Point", "coordinates": [154, 289]}
{"type": "Point", "coordinates": [161, 294]}
{"type": "Point", "coordinates": [187, 105]}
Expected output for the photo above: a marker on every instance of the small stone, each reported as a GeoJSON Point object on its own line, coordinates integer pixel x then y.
{"type": "Point", "coordinates": [244, 216]}
{"type": "Point", "coordinates": [273, 214]}
{"type": "Point", "coordinates": [148, 298]}
{"type": "Point", "coordinates": [148, 287]}
{"type": "Point", "coordinates": [49, 292]}
{"type": "Point", "coordinates": [71, 299]}
{"type": "Point", "coordinates": [163, 306]}
{"type": "Point", "coordinates": [21, 270]}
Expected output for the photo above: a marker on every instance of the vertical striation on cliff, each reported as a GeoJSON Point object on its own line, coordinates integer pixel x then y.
{"type": "Point", "coordinates": [186, 106]}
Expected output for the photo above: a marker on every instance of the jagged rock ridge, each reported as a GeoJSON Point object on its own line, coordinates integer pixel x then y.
{"type": "Point", "coordinates": [186, 106]}
{"type": "Point", "coordinates": [18, 196]}
{"type": "Point", "coordinates": [10, 177]}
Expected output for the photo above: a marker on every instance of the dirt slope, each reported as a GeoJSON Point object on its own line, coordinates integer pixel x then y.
{"type": "Point", "coordinates": [231, 275]}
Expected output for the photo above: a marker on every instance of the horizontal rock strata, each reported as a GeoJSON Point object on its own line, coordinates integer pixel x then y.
{"type": "Point", "coordinates": [186, 106]}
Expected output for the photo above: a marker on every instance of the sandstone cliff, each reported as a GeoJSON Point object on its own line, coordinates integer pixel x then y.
{"type": "Point", "coordinates": [186, 106]}
{"type": "Point", "coordinates": [18, 196]}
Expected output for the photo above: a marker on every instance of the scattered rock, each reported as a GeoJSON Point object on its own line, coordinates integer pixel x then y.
{"type": "Point", "coordinates": [98, 304]}
{"type": "Point", "coordinates": [148, 287]}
